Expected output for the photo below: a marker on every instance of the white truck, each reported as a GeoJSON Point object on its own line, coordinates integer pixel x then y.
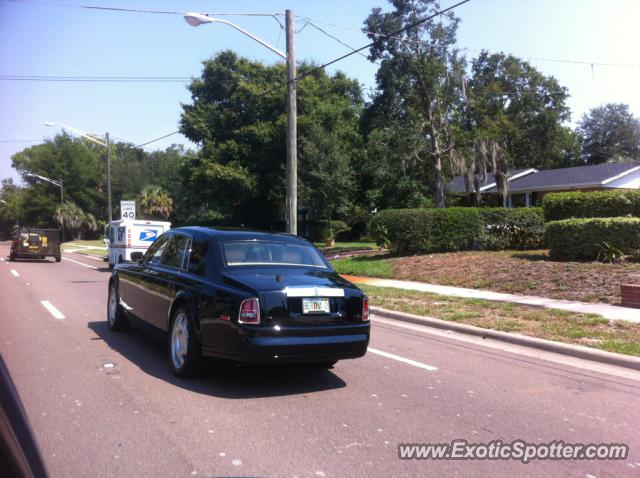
{"type": "Point", "coordinates": [128, 235]}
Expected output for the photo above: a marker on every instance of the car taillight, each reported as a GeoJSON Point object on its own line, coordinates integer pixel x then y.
{"type": "Point", "coordinates": [249, 312]}
{"type": "Point", "coordinates": [365, 308]}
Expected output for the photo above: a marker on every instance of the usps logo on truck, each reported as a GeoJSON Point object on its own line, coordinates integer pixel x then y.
{"type": "Point", "coordinates": [148, 235]}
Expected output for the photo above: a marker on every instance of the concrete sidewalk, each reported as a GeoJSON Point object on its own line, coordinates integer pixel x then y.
{"type": "Point", "coordinates": [611, 312]}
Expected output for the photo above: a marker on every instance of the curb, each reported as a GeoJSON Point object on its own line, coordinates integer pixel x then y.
{"type": "Point", "coordinates": [577, 351]}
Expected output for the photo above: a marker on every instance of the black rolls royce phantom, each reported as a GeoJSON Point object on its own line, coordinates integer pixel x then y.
{"type": "Point", "coordinates": [249, 297]}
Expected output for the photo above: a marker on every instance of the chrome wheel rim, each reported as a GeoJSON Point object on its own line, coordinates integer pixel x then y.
{"type": "Point", "coordinates": [113, 304]}
{"type": "Point", "coordinates": [179, 340]}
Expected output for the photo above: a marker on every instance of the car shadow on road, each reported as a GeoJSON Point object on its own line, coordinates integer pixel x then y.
{"type": "Point", "coordinates": [48, 261]}
{"type": "Point", "coordinates": [220, 379]}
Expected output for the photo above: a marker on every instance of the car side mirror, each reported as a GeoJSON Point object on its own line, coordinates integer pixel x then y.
{"type": "Point", "coordinates": [137, 256]}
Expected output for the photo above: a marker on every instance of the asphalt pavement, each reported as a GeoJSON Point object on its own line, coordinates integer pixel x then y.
{"type": "Point", "coordinates": [105, 404]}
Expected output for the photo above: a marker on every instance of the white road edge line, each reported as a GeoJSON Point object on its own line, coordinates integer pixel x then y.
{"type": "Point", "coordinates": [88, 256]}
{"type": "Point", "coordinates": [424, 366]}
{"type": "Point", "coordinates": [15, 273]}
{"type": "Point", "coordinates": [51, 308]}
{"type": "Point", "coordinates": [80, 263]}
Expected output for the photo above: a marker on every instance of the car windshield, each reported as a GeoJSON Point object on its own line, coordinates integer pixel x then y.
{"type": "Point", "coordinates": [268, 253]}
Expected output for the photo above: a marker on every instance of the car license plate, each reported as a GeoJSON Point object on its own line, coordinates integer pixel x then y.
{"type": "Point", "coordinates": [315, 305]}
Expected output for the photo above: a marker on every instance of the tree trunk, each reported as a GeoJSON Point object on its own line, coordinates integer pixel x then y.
{"type": "Point", "coordinates": [439, 186]}
{"type": "Point", "coordinates": [437, 155]}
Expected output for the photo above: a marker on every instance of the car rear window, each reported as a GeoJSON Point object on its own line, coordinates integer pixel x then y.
{"type": "Point", "coordinates": [271, 253]}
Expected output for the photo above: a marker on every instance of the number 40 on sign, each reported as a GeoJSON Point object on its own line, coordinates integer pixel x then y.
{"type": "Point", "coordinates": [127, 209]}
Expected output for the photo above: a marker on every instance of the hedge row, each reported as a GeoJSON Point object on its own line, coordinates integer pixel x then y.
{"type": "Point", "coordinates": [559, 206]}
{"type": "Point", "coordinates": [321, 230]}
{"type": "Point", "coordinates": [520, 228]}
{"type": "Point", "coordinates": [412, 231]}
{"type": "Point", "coordinates": [576, 239]}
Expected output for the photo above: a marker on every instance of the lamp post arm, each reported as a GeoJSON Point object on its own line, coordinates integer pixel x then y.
{"type": "Point", "coordinates": [55, 183]}
{"type": "Point", "coordinates": [85, 134]}
{"type": "Point", "coordinates": [253, 37]}
{"type": "Point", "coordinates": [196, 19]}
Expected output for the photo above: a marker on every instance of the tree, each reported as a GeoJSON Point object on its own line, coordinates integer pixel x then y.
{"type": "Point", "coordinates": [238, 176]}
{"type": "Point", "coordinates": [609, 133]}
{"type": "Point", "coordinates": [155, 203]}
{"type": "Point", "coordinates": [473, 164]}
{"type": "Point", "coordinates": [10, 206]}
{"type": "Point", "coordinates": [79, 165]}
{"type": "Point", "coordinates": [418, 84]}
{"type": "Point", "coordinates": [76, 221]}
{"type": "Point", "coordinates": [514, 105]}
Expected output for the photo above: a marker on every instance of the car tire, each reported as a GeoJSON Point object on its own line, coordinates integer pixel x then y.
{"type": "Point", "coordinates": [116, 317]}
{"type": "Point", "coordinates": [185, 356]}
{"type": "Point", "coordinates": [326, 364]}
{"type": "Point", "coordinates": [58, 258]}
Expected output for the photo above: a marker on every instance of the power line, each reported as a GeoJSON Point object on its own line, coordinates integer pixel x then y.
{"type": "Point", "coordinates": [368, 45]}
{"type": "Point", "coordinates": [340, 41]}
{"type": "Point", "coordinates": [137, 10]}
{"type": "Point", "coordinates": [157, 139]}
{"type": "Point", "coordinates": [410, 40]}
{"type": "Point", "coordinates": [21, 140]}
{"type": "Point", "coordinates": [41, 140]}
{"type": "Point", "coordinates": [107, 79]}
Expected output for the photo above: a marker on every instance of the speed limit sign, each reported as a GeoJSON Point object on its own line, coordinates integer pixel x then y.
{"type": "Point", "coordinates": [127, 209]}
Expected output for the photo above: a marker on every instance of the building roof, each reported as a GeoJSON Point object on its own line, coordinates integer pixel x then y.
{"type": "Point", "coordinates": [456, 185]}
{"type": "Point", "coordinates": [570, 178]}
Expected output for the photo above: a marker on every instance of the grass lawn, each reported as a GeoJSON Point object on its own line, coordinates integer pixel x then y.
{"type": "Point", "coordinates": [93, 252]}
{"type": "Point", "coordinates": [517, 272]}
{"type": "Point", "coordinates": [94, 243]}
{"type": "Point", "coordinates": [346, 246]}
{"type": "Point", "coordinates": [559, 325]}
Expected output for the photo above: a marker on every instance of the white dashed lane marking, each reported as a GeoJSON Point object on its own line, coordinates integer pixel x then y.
{"type": "Point", "coordinates": [424, 366]}
{"type": "Point", "coordinates": [52, 310]}
{"type": "Point", "coordinates": [15, 273]}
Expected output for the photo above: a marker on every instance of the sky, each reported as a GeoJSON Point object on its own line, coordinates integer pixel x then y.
{"type": "Point", "coordinates": [589, 46]}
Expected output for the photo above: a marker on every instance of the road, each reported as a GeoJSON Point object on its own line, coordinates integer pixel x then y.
{"type": "Point", "coordinates": [106, 404]}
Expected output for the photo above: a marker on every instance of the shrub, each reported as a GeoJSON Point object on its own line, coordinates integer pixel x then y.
{"type": "Point", "coordinates": [574, 239]}
{"type": "Point", "coordinates": [321, 230]}
{"type": "Point", "coordinates": [559, 206]}
{"type": "Point", "coordinates": [519, 228]}
{"type": "Point", "coordinates": [411, 231]}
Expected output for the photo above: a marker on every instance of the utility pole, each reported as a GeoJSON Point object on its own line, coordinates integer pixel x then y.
{"type": "Point", "coordinates": [61, 206]}
{"type": "Point", "coordinates": [292, 129]}
{"type": "Point", "coordinates": [109, 177]}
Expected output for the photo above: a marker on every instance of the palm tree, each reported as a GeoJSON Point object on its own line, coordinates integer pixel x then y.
{"type": "Point", "coordinates": [75, 220]}
{"type": "Point", "coordinates": [155, 203]}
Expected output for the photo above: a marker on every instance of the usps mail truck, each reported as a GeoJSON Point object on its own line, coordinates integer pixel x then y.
{"type": "Point", "coordinates": [128, 235]}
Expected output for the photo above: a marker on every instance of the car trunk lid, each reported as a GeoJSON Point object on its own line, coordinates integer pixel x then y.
{"type": "Point", "coordinates": [302, 297]}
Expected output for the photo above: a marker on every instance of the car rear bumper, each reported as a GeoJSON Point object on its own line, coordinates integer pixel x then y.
{"type": "Point", "coordinates": [303, 346]}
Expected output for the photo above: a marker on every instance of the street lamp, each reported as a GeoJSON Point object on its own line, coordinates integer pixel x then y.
{"type": "Point", "coordinates": [197, 19]}
{"type": "Point", "coordinates": [58, 184]}
{"type": "Point", "coordinates": [98, 140]}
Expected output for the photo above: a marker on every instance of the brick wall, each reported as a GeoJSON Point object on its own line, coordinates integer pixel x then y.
{"type": "Point", "coordinates": [630, 295]}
